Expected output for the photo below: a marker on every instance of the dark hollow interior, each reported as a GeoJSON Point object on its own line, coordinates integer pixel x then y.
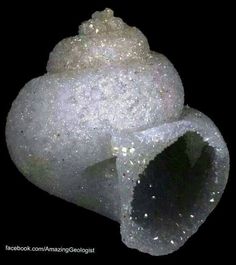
{"type": "Point", "coordinates": [170, 191]}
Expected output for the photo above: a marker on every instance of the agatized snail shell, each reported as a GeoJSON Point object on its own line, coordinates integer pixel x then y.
{"type": "Point", "coordinates": [106, 128]}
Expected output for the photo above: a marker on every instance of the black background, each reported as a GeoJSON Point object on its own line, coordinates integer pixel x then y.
{"type": "Point", "coordinates": [196, 38]}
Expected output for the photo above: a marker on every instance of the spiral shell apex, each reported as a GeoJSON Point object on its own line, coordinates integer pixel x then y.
{"type": "Point", "coordinates": [128, 75]}
{"type": "Point", "coordinates": [106, 128]}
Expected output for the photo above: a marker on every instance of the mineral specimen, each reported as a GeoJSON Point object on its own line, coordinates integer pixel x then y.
{"type": "Point", "coordinates": [106, 128]}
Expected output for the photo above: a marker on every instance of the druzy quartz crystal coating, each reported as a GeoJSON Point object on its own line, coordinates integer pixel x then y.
{"type": "Point", "coordinates": [106, 128]}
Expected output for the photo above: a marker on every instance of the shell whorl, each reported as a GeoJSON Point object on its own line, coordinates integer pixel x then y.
{"type": "Point", "coordinates": [102, 40]}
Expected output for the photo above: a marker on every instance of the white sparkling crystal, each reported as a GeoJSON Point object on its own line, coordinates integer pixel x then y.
{"type": "Point", "coordinates": [108, 106]}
